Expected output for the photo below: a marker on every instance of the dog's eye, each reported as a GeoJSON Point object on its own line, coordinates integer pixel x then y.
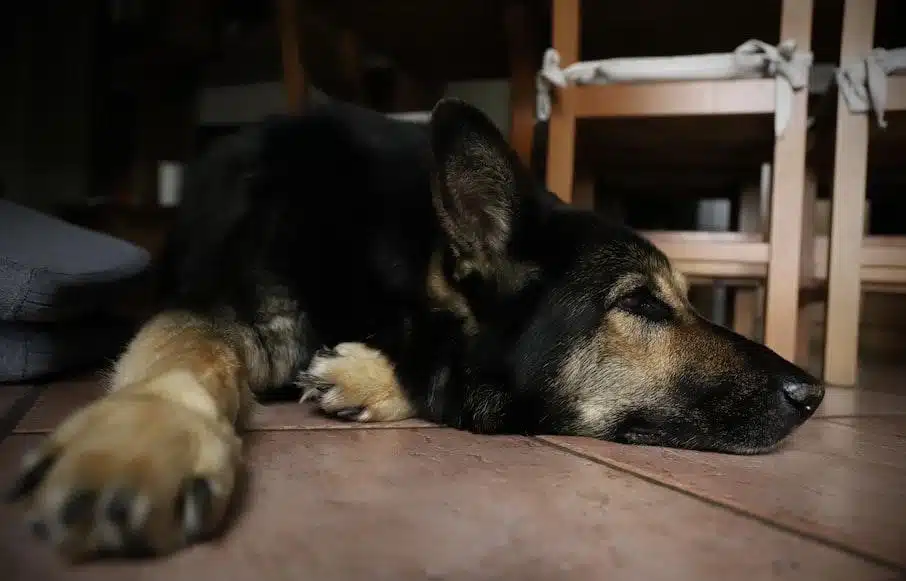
{"type": "Point", "coordinates": [644, 304]}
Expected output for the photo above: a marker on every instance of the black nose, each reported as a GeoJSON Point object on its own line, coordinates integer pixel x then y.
{"type": "Point", "coordinates": [805, 397]}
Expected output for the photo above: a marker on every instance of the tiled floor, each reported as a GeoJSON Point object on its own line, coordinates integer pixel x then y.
{"type": "Point", "coordinates": [330, 501]}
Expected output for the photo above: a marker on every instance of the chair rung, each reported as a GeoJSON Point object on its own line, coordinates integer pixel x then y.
{"type": "Point", "coordinates": [743, 256]}
{"type": "Point", "coordinates": [671, 98]}
{"type": "Point", "coordinates": [723, 247]}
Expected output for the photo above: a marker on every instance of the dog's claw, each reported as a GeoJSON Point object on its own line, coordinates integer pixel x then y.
{"type": "Point", "coordinates": [326, 353]}
{"type": "Point", "coordinates": [79, 507]}
{"type": "Point", "coordinates": [195, 508]}
{"type": "Point", "coordinates": [355, 383]}
{"type": "Point", "coordinates": [352, 414]}
{"type": "Point", "coordinates": [108, 481]}
{"type": "Point", "coordinates": [40, 530]}
{"type": "Point", "coordinates": [119, 508]}
{"type": "Point", "coordinates": [312, 387]}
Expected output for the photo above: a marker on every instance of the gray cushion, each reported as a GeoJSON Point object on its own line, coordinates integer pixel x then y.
{"type": "Point", "coordinates": [30, 351]}
{"type": "Point", "coordinates": [51, 270]}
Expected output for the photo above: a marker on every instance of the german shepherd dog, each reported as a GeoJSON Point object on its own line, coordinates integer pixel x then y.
{"type": "Point", "coordinates": [390, 270]}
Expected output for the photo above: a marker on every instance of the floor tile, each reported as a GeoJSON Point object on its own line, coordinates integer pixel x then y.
{"type": "Point", "coordinates": [883, 376]}
{"type": "Point", "coordinates": [294, 416]}
{"type": "Point", "coordinates": [859, 401]}
{"type": "Point", "coordinates": [57, 401]}
{"type": "Point", "coordinates": [440, 504]}
{"type": "Point", "coordinates": [60, 399]}
{"type": "Point", "coordinates": [894, 426]}
{"type": "Point", "coordinates": [837, 482]}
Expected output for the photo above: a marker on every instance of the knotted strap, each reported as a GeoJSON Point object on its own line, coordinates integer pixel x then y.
{"type": "Point", "coordinates": [752, 59]}
{"type": "Point", "coordinates": [864, 82]}
{"type": "Point", "coordinates": [788, 67]}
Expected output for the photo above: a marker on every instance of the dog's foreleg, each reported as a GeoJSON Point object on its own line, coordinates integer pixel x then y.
{"type": "Point", "coordinates": [356, 382]}
{"type": "Point", "coordinates": [151, 466]}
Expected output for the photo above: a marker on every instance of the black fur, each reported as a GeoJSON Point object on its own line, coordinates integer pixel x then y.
{"type": "Point", "coordinates": [334, 209]}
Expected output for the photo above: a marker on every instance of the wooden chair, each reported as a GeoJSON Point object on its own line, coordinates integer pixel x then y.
{"type": "Point", "coordinates": [780, 257]}
{"type": "Point", "coordinates": [855, 262]}
{"type": "Point", "coordinates": [319, 52]}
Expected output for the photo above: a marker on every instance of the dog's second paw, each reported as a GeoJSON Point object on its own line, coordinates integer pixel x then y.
{"type": "Point", "coordinates": [354, 382]}
{"type": "Point", "coordinates": [129, 475]}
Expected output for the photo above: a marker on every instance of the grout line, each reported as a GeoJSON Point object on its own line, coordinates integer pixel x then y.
{"type": "Point", "coordinates": [890, 416]}
{"type": "Point", "coordinates": [867, 429]}
{"type": "Point", "coordinates": [26, 402]}
{"type": "Point", "coordinates": [263, 429]}
{"type": "Point", "coordinates": [21, 406]}
{"type": "Point", "coordinates": [363, 428]}
{"type": "Point", "coordinates": [18, 410]}
{"type": "Point", "coordinates": [874, 559]}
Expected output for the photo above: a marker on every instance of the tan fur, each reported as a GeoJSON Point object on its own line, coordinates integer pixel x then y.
{"type": "Point", "coordinates": [361, 377]}
{"type": "Point", "coordinates": [182, 357]}
{"type": "Point", "coordinates": [446, 298]}
{"type": "Point", "coordinates": [611, 357]}
{"type": "Point", "coordinates": [170, 416]}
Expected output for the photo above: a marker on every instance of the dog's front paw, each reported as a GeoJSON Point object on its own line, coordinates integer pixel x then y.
{"type": "Point", "coordinates": [354, 382]}
{"type": "Point", "coordinates": [131, 474]}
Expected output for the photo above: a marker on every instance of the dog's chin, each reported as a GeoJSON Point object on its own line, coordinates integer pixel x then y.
{"type": "Point", "coordinates": [654, 436]}
{"type": "Point", "coordinates": [692, 429]}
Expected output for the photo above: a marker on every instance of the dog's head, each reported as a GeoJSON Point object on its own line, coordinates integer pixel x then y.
{"type": "Point", "coordinates": [594, 327]}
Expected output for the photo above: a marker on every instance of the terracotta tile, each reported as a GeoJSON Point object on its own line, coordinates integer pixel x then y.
{"type": "Point", "coordinates": [884, 377]}
{"type": "Point", "coordinates": [836, 482]}
{"type": "Point", "coordinates": [441, 504]}
{"type": "Point", "coordinates": [56, 402]}
{"type": "Point", "coordinates": [838, 441]}
{"type": "Point", "coordinates": [894, 426]}
{"type": "Point", "coordinates": [59, 400]}
{"type": "Point", "coordinates": [854, 401]}
{"type": "Point", "coordinates": [294, 416]}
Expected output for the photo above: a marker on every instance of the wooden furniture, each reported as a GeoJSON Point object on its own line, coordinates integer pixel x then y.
{"type": "Point", "coordinates": [777, 257]}
{"type": "Point", "coordinates": [722, 126]}
{"type": "Point", "coordinates": [323, 50]}
{"type": "Point", "coordinates": [881, 260]}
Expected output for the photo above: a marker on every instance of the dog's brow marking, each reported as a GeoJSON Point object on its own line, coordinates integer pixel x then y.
{"type": "Point", "coordinates": [666, 288]}
{"type": "Point", "coordinates": [625, 284]}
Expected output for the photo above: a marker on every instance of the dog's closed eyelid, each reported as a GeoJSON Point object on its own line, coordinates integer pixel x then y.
{"type": "Point", "coordinates": [631, 300]}
{"type": "Point", "coordinates": [644, 303]}
{"type": "Point", "coordinates": [635, 295]}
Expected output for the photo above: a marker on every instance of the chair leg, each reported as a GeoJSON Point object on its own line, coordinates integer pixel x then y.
{"type": "Point", "coordinates": [561, 142]}
{"type": "Point", "coordinates": [787, 202]}
{"type": "Point", "coordinates": [294, 78]}
{"type": "Point", "coordinates": [808, 305]}
{"type": "Point", "coordinates": [749, 301]}
{"type": "Point", "coordinates": [584, 191]}
{"type": "Point", "coordinates": [841, 348]}
{"type": "Point", "coordinates": [561, 146]}
{"type": "Point", "coordinates": [517, 23]}
{"type": "Point", "coordinates": [746, 310]}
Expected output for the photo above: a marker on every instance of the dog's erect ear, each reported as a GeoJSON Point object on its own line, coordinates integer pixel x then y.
{"type": "Point", "coordinates": [478, 182]}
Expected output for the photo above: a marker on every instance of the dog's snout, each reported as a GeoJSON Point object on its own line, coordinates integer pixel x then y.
{"type": "Point", "coordinates": [804, 396]}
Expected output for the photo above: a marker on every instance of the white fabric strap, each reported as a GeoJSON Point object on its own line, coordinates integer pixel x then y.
{"type": "Point", "coordinates": [752, 59]}
{"type": "Point", "coordinates": [782, 62]}
{"type": "Point", "coordinates": [864, 82]}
